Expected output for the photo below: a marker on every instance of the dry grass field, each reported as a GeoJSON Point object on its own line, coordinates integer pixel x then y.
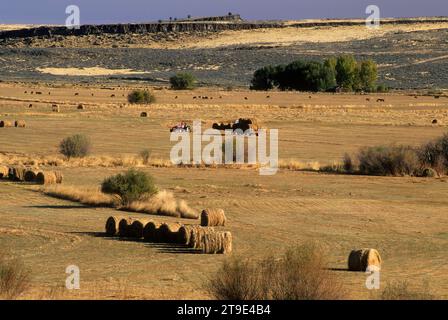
{"type": "Point", "coordinates": [405, 218]}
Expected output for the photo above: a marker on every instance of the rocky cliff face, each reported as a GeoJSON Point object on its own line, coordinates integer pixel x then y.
{"type": "Point", "coordinates": [134, 28]}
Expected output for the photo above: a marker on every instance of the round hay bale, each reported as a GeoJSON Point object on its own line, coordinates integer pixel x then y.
{"type": "Point", "coordinates": [112, 226]}
{"type": "Point", "coordinates": [167, 232]}
{"type": "Point", "coordinates": [46, 177]}
{"type": "Point", "coordinates": [359, 260]}
{"type": "Point", "coordinates": [17, 173]}
{"type": "Point", "coordinates": [434, 121]}
{"type": "Point", "coordinates": [20, 124]}
{"type": "Point", "coordinates": [55, 108]}
{"type": "Point", "coordinates": [124, 227]}
{"type": "Point", "coordinates": [5, 124]}
{"type": "Point", "coordinates": [213, 217]}
{"type": "Point", "coordinates": [150, 231]}
{"type": "Point", "coordinates": [30, 175]}
{"type": "Point", "coordinates": [137, 227]}
{"type": "Point", "coordinates": [144, 114]}
{"type": "Point", "coordinates": [4, 172]}
{"type": "Point", "coordinates": [80, 107]}
{"type": "Point", "coordinates": [197, 237]}
{"type": "Point", "coordinates": [217, 243]}
{"type": "Point", "coordinates": [59, 177]}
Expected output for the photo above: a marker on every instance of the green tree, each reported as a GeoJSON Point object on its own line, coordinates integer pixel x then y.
{"type": "Point", "coordinates": [130, 186]}
{"type": "Point", "coordinates": [346, 72]}
{"type": "Point", "coordinates": [183, 81]}
{"type": "Point", "coordinates": [368, 75]}
{"type": "Point", "coordinates": [263, 78]}
{"type": "Point", "coordinates": [141, 97]}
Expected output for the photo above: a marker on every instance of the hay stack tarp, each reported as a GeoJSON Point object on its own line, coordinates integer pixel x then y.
{"type": "Point", "coordinates": [150, 231]}
{"type": "Point", "coordinates": [213, 217]}
{"type": "Point", "coordinates": [359, 260]}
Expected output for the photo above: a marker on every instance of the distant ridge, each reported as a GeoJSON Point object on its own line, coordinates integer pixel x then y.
{"type": "Point", "coordinates": [206, 24]}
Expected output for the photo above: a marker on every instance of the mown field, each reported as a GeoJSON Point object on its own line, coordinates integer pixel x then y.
{"type": "Point", "coordinates": [403, 217]}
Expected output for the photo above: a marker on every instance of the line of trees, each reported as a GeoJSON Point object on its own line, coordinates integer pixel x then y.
{"type": "Point", "coordinates": [344, 73]}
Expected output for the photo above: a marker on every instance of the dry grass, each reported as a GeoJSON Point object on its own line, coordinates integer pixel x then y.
{"type": "Point", "coordinates": [14, 278]}
{"type": "Point", "coordinates": [300, 274]}
{"type": "Point", "coordinates": [87, 196]}
{"type": "Point", "coordinates": [400, 290]}
{"type": "Point", "coordinates": [163, 203]}
{"type": "Point", "coordinates": [297, 165]}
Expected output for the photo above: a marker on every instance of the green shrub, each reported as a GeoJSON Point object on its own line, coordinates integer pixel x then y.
{"type": "Point", "coordinates": [429, 173]}
{"type": "Point", "coordinates": [76, 146]}
{"type": "Point", "coordinates": [299, 274]}
{"type": "Point", "coordinates": [130, 186]}
{"type": "Point", "coordinates": [389, 161]}
{"type": "Point", "coordinates": [183, 81]}
{"type": "Point", "coordinates": [264, 78]}
{"type": "Point", "coordinates": [347, 72]}
{"type": "Point", "coordinates": [141, 97]}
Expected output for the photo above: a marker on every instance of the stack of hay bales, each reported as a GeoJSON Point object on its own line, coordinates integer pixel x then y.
{"type": "Point", "coordinates": [20, 124]}
{"type": "Point", "coordinates": [150, 231]}
{"type": "Point", "coordinates": [5, 124]}
{"type": "Point", "coordinates": [4, 172]}
{"type": "Point", "coordinates": [135, 230]}
{"type": "Point", "coordinates": [168, 233]}
{"type": "Point", "coordinates": [124, 227]}
{"type": "Point", "coordinates": [213, 217]}
{"type": "Point", "coordinates": [211, 242]}
{"type": "Point", "coordinates": [359, 260]}
{"type": "Point", "coordinates": [31, 175]}
{"type": "Point", "coordinates": [49, 177]}
{"type": "Point", "coordinates": [112, 225]}
{"type": "Point", "coordinates": [17, 173]}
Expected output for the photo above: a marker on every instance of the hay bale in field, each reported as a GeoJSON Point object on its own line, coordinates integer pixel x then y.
{"type": "Point", "coordinates": [213, 217]}
{"type": "Point", "coordinates": [185, 232]}
{"type": "Point", "coordinates": [137, 227]}
{"type": "Point", "coordinates": [80, 107]}
{"type": "Point", "coordinates": [217, 242]}
{"type": "Point", "coordinates": [124, 227]}
{"type": "Point", "coordinates": [55, 108]}
{"type": "Point", "coordinates": [197, 237]}
{"type": "Point", "coordinates": [30, 175]}
{"type": "Point", "coordinates": [59, 177]}
{"type": "Point", "coordinates": [4, 172]}
{"type": "Point", "coordinates": [112, 225]}
{"type": "Point", "coordinates": [144, 114]}
{"type": "Point", "coordinates": [46, 177]}
{"type": "Point", "coordinates": [168, 233]}
{"type": "Point", "coordinates": [20, 124]}
{"type": "Point", "coordinates": [17, 174]}
{"type": "Point", "coordinates": [5, 124]}
{"type": "Point", "coordinates": [150, 231]}
{"type": "Point", "coordinates": [359, 260]}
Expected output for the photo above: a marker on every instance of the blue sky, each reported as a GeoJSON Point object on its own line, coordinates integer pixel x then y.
{"type": "Point", "coordinates": [111, 11]}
